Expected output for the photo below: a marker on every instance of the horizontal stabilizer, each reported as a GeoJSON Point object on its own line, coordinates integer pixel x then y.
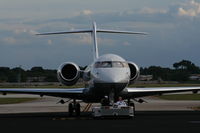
{"type": "Point", "coordinates": [90, 31]}
{"type": "Point", "coordinates": [121, 32]}
{"type": "Point", "coordinates": [65, 32]}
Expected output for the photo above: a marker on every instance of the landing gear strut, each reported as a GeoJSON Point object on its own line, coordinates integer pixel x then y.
{"type": "Point", "coordinates": [131, 103]}
{"type": "Point", "coordinates": [74, 107]}
{"type": "Point", "coordinates": [113, 97]}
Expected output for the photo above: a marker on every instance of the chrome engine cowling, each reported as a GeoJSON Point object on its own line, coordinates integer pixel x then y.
{"type": "Point", "coordinates": [68, 73]}
{"type": "Point", "coordinates": [134, 70]}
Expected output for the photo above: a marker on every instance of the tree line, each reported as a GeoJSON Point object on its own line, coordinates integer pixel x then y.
{"type": "Point", "coordinates": [180, 72]}
{"type": "Point", "coordinates": [20, 75]}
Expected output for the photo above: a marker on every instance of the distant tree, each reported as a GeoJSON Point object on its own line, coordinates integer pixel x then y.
{"type": "Point", "coordinates": [4, 72]}
{"type": "Point", "coordinates": [19, 73]}
{"type": "Point", "coordinates": [187, 66]}
{"type": "Point", "coordinates": [182, 71]}
{"type": "Point", "coordinates": [37, 69]}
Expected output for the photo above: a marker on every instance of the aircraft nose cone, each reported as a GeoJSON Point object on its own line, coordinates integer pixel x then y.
{"type": "Point", "coordinates": [114, 77]}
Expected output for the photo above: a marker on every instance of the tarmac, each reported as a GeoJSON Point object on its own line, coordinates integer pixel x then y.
{"type": "Point", "coordinates": [50, 104]}
{"type": "Point", "coordinates": [144, 121]}
{"type": "Point", "coordinates": [44, 114]}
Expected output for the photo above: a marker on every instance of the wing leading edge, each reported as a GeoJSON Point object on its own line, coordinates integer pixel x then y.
{"type": "Point", "coordinates": [78, 93]}
{"type": "Point", "coordinates": [64, 93]}
{"type": "Point", "coordinates": [139, 92]}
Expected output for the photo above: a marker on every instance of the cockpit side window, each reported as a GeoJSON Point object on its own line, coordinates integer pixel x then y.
{"type": "Point", "coordinates": [125, 64]}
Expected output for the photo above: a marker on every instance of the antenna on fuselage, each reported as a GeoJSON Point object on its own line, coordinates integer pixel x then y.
{"type": "Point", "coordinates": [93, 32]}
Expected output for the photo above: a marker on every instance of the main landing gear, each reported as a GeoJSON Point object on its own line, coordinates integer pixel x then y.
{"type": "Point", "coordinates": [74, 107]}
{"type": "Point", "coordinates": [131, 103]}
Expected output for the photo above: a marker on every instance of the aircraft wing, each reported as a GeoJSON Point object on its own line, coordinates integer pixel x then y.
{"type": "Point", "coordinates": [140, 92]}
{"type": "Point", "coordinates": [57, 92]}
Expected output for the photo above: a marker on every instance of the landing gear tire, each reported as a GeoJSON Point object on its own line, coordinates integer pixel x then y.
{"type": "Point", "coordinates": [77, 109]}
{"type": "Point", "coordinates": [70, 109]}
{"type": "Point", "coordinates": [133, 105]}
{"type": "Point", "coordinates": [74, 107]}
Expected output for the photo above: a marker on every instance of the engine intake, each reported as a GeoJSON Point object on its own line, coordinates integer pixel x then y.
{"type": "Point", "coordinates": [68, 73]}
{"type": "Point", "coordinates": [135, 71]}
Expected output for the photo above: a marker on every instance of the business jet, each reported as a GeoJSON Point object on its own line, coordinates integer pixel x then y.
{"type": "Point", "coordinates": [108, 75]}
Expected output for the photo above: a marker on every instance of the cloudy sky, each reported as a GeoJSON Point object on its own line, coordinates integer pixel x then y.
{"type": "Point", "coordinates": [173, 27]}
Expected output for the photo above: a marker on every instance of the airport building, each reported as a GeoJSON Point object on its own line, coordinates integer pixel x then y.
{"type": "Point", "coordinates": [194, 77]}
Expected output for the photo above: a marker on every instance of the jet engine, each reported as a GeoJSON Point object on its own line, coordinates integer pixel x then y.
{"type": "Point", "coordinates": [68, 73]}
{"type": "Point", "coordinates": [135, 71]}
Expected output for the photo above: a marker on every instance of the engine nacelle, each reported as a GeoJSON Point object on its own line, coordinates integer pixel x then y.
{"type": "Point", "coordinates": [68, 73]}
{"type": "Point", "coordinates": [135, 71]}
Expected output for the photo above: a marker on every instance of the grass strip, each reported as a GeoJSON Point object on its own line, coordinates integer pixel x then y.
{"type": "Point", "coordinates": [180, 97]}
{"type": "Point", "coordinates": [15, 100]}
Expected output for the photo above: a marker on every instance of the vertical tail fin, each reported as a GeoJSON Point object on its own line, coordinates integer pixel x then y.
{"type": "Point", "coordinates": [94, 36]}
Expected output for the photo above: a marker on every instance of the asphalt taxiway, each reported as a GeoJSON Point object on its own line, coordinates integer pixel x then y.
{"type": "Point", "coordinates": [49, 104]}
{"type": "Point", "coordinates": [44, 114]}
{"type": "Point", "coordinates": [144, 121]}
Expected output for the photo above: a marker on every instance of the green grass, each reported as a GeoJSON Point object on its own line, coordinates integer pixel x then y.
{"type": "Point", "coordinates": [196, 108]}
{"type": "Point", "coordinates": [180, 97]}
{"type": "Point", "coordinates": [15, 100]}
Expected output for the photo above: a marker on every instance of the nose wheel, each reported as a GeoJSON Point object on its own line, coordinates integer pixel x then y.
{"type": "Point", "coordinates": [74, 107]}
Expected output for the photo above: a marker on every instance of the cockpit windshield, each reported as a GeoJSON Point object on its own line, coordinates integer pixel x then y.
{"type": "Point", "coordinates": [109, 64]}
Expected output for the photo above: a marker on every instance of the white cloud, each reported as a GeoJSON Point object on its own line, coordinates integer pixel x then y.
{"type": "Point", "coordinates": [32, 32]}
{"type": "Point", "coordinates": [81, 39]}
{"type": "Point", "coordinates": [86, 39]}
{"type": "Point", "coordinates": [147, 10]}
{"type": "Point", "coordinates": [126, 44]}
{"type": "Point", "coordinates": [87, 12]}
{"type": "Point", "coordinates": [19, 31]}
{"type": "Point", "coordinates": [19, 28]}
{"type": "Point", "coordinates": [190, 8]}
{"type": "Point", "coordinates": [50, 42]}
{"type": "Point", "coordinates": [106, 41]}
{"type": "Point", "coordinates": [24, 30]}
{"type": "Point", "coordinates": [9, 40]}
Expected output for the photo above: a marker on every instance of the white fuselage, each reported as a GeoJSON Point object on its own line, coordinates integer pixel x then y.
{"type": "Point", "coordinates": [108, 73]}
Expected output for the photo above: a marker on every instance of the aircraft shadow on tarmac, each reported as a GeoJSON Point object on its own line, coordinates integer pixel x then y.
{"type": "Point", "coordinates": [153, 121]}
{"type": "Point", "coordinates": [88, 115]}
